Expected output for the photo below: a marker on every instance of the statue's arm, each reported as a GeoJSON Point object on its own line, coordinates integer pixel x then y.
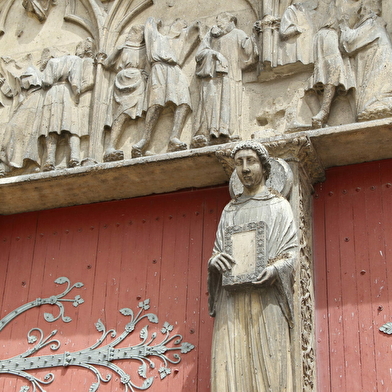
{"type": "Point", "coordinates": [112, 59]}
{"type": "Point", "coordinates": [289, 26]}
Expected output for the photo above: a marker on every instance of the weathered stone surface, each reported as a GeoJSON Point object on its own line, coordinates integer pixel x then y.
{"type": "Point", "coordinates": [323, 148]}
{"type": "Point", "coordinates": [251, 295]}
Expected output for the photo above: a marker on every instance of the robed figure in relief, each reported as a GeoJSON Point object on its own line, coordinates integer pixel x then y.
{"type": "Point", "coordinates": [251, 349]}
{"type": "Point", "coordinates": [167, 85]}
{"type": "Point", "coordinates": [370, 46]}
{"type": "Point", "coordinates": [221, 57]}
{"type": "Point", "coordinates": [65, 80]}
{"type": "Point", "coordinates": [20, 142]}
{"type": "Point", "coordinates": [127, 101]}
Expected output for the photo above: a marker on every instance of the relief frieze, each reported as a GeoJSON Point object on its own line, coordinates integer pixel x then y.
{"type": "Point", "coordinates": [88, 82]}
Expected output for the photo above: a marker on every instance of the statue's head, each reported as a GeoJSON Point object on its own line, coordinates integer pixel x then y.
{"type": "Point", "coordinates": [85, 48]}
{"type": "Point", "coordinates": [225, 19]}
{"type": "Point", "coordinates": [89, 47]}
{"type": "Point", "coordinates": [136, 34]}
{"type": "Point", "coordinates": [252, 163]}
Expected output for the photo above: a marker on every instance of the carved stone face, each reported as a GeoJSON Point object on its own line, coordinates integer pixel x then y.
{"type": "Point", "coordinates": [223, 21]}
{"type": "Point", "coordinates": [249, 168]}
{"type": "Point", "coordinates": [136, 34]}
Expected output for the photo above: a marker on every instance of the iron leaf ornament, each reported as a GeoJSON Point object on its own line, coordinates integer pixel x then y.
{"type": "Point", "coordinates": [166, 349]}
{"type": "Point", "coordinates": [386, 328]}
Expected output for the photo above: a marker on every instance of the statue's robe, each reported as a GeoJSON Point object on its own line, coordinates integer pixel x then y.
{"type": "Point", "coordinates": [296, 32]}
{"type": "Point", "coordinates": [20, 141]}
{"type": "Point", "coordinates": [167, 82]}
{"type": "Point", "coordinates": [129, 84]}
{"type": "Point", "coordinates": [220, 102]}
{"type": "Point", "coordinates": [63, 76]}
{"type": "Point", "coordinates": [251, 350]}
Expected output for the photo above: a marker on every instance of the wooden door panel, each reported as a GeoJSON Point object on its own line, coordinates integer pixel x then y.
{"type": "Point", "coordinates": [353, 233]}
{"type": "Point", "coordinates": [124, 252]}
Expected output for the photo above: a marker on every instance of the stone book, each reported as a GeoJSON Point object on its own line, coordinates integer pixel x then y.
{"type": "Point", "coordinates": [247, 244]}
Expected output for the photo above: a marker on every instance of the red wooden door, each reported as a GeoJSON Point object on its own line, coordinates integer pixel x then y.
{"type": "Point", "coordinates": [123, 252]}
{"type": "Point", "coordinates": [353, 267]}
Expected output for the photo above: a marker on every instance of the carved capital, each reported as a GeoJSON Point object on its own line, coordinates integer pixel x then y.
{"type": "Point", "coordinates": [268, 22]}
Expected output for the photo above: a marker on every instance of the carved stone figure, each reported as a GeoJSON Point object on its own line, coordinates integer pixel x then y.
{"type": "Point", "coordinates": [19, 147]}
{"type": "Point", "coordinates": [251, 349]}
{"type": "Point", "coordinates": [129, 61]}
{"type": "Point", "coordinates": [222, 56]}
{"type": "Point", "coordinates": [40, 8]}
{"type": "Point", "coordinates": [332, 74]}
{"type": "Point", "coordinates": [20, 143]}
{"type": "Point", "coordinates": [86, 51]}
{"type": "Point", "coordinates": [370, 46]}
{"type": "Point", "coordinates": [65, 81]}
{"type": "Point", "coordinates": [167, 85]}
{"type": "Point", "coordinates": [297, 31]}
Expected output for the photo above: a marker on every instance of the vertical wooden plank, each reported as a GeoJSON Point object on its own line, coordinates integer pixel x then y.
{"type": "Point", "coordinates": [213, 208]}
{"type": "Point", "coordinates": [335, 313]}
{"type": "Point", "coordinates": [321, 295]}
{"type": "Point", "coordinates": [350, 322]}
{"type": "Point", "coordinates": [374, 219]}
{"type": "Point", "coordinates": [194, 294]}
{"type": "Point", "coordinates": [384, 310]}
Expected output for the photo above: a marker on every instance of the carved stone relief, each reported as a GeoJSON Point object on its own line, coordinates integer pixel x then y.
{"type": "Point", "coordinates": [152, 83]}
{"type": "Point", "coordinates": [39, 8]}
{"type": "Point", "coordinates": [224, 52]}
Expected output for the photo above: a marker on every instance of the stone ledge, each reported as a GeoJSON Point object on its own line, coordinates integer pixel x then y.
{"type": "Point", "coordinates": [333, 146]}
{"type": "Point", "coordinates": [111, 181]}
{"type": "Point", "coordinates": [352, 143]}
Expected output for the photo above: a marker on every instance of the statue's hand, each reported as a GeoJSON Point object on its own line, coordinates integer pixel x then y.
{"type": "Point", "coordinates": [222, 60]}
{"type": "Point", "coordinates": [267, 276]}
{"type": "Point", "coordinates": [222, 262]}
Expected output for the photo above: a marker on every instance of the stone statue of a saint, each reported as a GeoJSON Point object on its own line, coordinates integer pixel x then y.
{"type": "Point", "coordinates": [129, 61]}
{"type": "Point", "coordinates": [221, 57]}
{"type": "Point", "coordinates": [167, 85]}
{"type": "Point", "coordinates": [251, 349]}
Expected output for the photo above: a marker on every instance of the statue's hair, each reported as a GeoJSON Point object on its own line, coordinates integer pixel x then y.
{"type": "Point", "coordinates": [261, 152]}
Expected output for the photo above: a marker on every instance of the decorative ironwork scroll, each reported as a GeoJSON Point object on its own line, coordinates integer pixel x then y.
{"type": "Point", "coordinates": [167, 350]}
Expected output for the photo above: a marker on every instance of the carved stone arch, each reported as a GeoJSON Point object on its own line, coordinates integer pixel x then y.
{"type": "Point", "coordinates": [255, 6]}
{"type": "Point", "coordinates": [4, 13]}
